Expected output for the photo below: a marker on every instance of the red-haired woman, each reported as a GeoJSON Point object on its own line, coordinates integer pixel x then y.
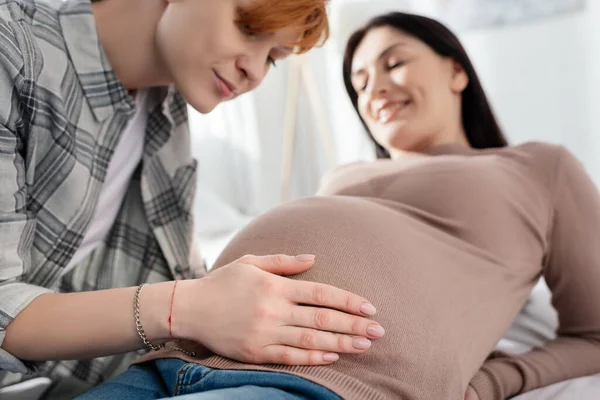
{"type": "Point", "coordinates": [98, 181]}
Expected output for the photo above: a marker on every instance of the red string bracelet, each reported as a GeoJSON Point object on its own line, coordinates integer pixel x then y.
{"type": "Point", "coordinates": [171, 311]}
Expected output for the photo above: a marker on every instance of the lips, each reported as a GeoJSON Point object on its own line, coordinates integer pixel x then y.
{"type": "Point", "coordinates": [387, 111]}
{"type": "Point", "coordinates": [226, 88]}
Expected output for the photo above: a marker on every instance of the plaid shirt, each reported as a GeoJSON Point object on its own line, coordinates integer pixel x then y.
{"type": "Point", "coordinates": [61, 114]}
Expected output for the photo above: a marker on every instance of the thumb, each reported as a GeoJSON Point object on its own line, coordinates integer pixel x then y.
{"type": "Point", "coordinates": [280, 264]}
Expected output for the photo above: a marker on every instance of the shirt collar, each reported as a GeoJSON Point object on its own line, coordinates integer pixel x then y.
{"type": "Point", "coordinates": [104, 91]}
{"type": "Point", "coordinates": [450, 149]}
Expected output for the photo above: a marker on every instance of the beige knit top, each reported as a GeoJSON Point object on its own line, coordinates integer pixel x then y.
{"type": "Point", "coordinates": [447, 247]}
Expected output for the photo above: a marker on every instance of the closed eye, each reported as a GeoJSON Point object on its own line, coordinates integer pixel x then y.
{"type": "Point", "coordinates": [271, 60]}
{"type": "Point", "coordinates": [360, 82]}
{"type": "Point", "coordinates": [396, 65]}
{"type": "Point", "coordinates": [363, 87]}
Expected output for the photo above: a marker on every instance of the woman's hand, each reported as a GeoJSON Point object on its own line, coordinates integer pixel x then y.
{"type": "Point", "coordinates": [245, 312]}
{"type": "Point", "coordinates": [471, 394]}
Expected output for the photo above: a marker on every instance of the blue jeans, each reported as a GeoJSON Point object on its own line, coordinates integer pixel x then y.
{"type": "Point", "coordinates": [173, 378]}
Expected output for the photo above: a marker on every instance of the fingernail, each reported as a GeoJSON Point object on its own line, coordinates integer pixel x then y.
{"type": "Point", "coordinates": [368, 309]}
{"type": "Point", "coordinates": [305, 257]}
{"type": "Point", "coordinates": [361, 343]}
{"type": "Point", "coordinates": [330, 357]}
{"type": "Point", "coordinates": [376, 331]}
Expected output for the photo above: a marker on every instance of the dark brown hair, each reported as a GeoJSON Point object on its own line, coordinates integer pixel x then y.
{"type": "Point", "coordinates": [480, 125]}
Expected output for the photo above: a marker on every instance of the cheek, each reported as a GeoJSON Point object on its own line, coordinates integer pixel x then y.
{"type": "Point", "coordinates": [415, 78]}
{"type": "Point", "coordinates": [362, 106]}
{"type": "Point", "coordinates": [435, 100]}
{"type": "Point", "coordinates": [401, 76]}
{"type": "Point", "coordinates": [363, 109]}
{"type": "Point", "coordinates": [411, 76]}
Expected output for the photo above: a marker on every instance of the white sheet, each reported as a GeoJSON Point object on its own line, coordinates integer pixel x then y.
{"type": "Point", "coordinates": [534, 326]}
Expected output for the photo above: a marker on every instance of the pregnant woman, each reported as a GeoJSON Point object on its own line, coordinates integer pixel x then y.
{"type": "Point", "coordinates": [446, 233]}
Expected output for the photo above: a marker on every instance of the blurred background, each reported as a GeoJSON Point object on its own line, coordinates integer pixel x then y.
{"type": "Point", "coordinates": [539, 61]}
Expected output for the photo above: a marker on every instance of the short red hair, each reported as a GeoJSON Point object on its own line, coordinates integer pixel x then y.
{"type": "Point", "coordinates": [309, 16]}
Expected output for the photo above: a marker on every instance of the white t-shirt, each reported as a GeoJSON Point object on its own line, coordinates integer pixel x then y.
{"type": "Point", "coordinates": [125, 160]}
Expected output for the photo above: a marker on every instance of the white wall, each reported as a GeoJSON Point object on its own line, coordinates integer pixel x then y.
{"type": "Point", "coordinates": [543, 79]}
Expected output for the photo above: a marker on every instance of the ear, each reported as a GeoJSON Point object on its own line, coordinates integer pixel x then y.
{"type": "Point", "coordinates": [459, 79]}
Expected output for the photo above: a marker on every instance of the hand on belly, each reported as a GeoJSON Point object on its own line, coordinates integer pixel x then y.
{"type": "Point", "coordinates": [252, 315]}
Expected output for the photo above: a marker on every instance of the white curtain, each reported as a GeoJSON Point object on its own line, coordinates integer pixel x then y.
{"type": "Point", "coordinates": [226, 144]}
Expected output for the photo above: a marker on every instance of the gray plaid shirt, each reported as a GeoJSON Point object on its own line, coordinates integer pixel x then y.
{"type": "Point", "coordinates": [62, 111]}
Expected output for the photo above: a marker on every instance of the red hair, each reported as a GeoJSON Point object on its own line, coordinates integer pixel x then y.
{"type": "Point", "coordinates": [308, 16]}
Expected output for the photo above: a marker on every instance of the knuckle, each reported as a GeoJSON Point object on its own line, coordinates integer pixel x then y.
{"type": "Point", "coordinates": [320, 295]}
{"type": "Point", "coordinates": [321, 319]}
{"type": "Point", "coordinates": [315, 358]}
{"type": "Point", "coordinates": [307, 340]}
{"type": "Point", "coordinates": [287, 358]}
{"type": "Point", "coordinates": [246, 259]}
{"type": "Point", "coordinates": [249, 351]}
{"type": "Point", "coordinates": [357, 326]}
{"type": "Point", "coordinates": [279, 259]}
{"type": "Point", "coordinates": [342, 342]}
{"type": "Point", "coordinates": [348, 301]}
{"type": "Point", "coordinates": [268, 286]}
{"type": "Point", "coordinates": [262, 312]}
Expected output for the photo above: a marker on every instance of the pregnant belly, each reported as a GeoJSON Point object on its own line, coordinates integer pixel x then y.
{"type": "Point", "coordinates": [429, 294]}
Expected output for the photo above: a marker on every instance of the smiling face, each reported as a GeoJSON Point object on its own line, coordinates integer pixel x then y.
{"type": "Point", "coordinates": [408, 95]}
{"type": "Point", "coordinates": [213, 55]}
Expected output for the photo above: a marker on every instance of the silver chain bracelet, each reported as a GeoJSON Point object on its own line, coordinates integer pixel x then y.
{"type": "Point", "coordinates": [138, 324]}
{"type": "Point", "coordinates": [140, 329]}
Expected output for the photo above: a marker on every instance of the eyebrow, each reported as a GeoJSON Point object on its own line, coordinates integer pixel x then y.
{"type": "Point", "coordinates": [380, 56]}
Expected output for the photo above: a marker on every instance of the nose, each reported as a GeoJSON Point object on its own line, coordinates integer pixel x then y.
{"type": "Point", "coordinates": [253, 67]}
{"type": "Point", "coordinates": [377, 89]}
{"type": "Point", "coordinates": [379, 84]}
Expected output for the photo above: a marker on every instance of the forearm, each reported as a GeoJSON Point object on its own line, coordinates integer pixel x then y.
{"type": "Point", "coordinates": [564, 358]}
{"type": "Point", "coordinates": [87, 325]}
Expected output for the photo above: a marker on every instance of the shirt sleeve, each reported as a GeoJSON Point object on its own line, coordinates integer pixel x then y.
{"type": "Point", "coordinates": [16, 224]}
{"type": "Point", "coordinates": [16, 231]}
{"type": "Point", "coordinates": [572, 271]}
